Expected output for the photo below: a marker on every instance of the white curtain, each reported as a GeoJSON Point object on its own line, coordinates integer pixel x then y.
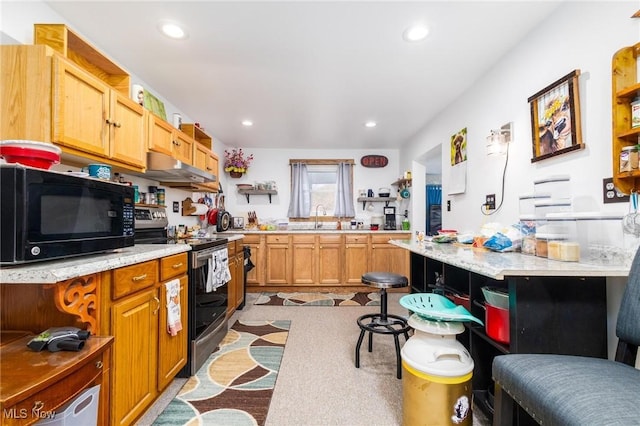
{"type": "Point", "coordinates": [344, 192]}
{"type": "Point", "coordinates": [300, 204]}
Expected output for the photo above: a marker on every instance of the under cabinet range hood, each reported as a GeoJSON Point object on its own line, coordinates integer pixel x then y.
{"type": "Point", "coordinates": [164, 168]}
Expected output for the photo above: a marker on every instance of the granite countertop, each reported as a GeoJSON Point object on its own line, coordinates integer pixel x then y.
{"type": "Point", "coordinates": [53, 271]}
{"type": "Point", "coordinates": [500, 265]}
{"type": "Point", "coordinates": [319, 231]}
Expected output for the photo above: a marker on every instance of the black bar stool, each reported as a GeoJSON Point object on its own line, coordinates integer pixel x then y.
{"type": "Point", "coordinates": [383, 323]}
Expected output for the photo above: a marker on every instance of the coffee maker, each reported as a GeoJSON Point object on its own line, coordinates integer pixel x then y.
{"type": "Point", "coordinates": [389, 218]}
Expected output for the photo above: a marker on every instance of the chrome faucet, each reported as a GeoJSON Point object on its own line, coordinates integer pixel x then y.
{"type": "Point", "coordinates": [324, 213]}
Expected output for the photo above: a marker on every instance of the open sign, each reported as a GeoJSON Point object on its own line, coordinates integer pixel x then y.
{"type": "Point", "coordinates": [374, 161]}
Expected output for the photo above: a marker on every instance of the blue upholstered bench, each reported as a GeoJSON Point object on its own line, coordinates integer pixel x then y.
{"type": "Point", "coordinates": [572, 390]}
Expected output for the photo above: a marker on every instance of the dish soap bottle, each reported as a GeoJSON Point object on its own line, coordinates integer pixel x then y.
{"type": "Point", "coordinates": [405, 222]}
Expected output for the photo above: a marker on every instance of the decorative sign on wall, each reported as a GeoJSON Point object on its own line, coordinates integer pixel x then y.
{"type": "Point", "coordinates": [374, 161]}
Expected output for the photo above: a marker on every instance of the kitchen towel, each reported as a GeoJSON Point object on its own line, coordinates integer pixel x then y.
{"type": "Point", "coordinates": [173, 307]}
{"type": "Point", "coordinates": [218, 270]}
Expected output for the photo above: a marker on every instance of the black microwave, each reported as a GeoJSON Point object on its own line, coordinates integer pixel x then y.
{"type": "Point", "coordinates": [51, 215]}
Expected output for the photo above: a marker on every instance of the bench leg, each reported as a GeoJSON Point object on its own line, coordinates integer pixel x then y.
{"type": "Point", "coordinates": [503, 407]}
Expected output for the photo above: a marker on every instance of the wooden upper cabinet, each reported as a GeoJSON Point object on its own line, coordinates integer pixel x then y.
{"type": "Point", "coordinates": [160, 135]}
{"type": "Point", "coordinates": [80, 109]}
{"type": "Point", "coordinates": [183, 147]}
{"type": "Point", "coordinates": [127, 131]}
{"type": "Point", "coordinates": [64, 91]}
{"type": "Point", "coordinates": [205, 159]}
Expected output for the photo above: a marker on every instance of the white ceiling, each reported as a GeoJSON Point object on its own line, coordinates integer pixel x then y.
{"type": "Point", "coordinates": [309, 74]}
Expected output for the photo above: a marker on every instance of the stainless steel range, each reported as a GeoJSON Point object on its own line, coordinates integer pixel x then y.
{"type": "Point", "coordinates": [207, 307]}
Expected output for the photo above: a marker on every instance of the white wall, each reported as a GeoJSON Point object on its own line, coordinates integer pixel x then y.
{"type": "Point", "coordinates": [273, 164]}
{"type": "Point", "coordinates": [573, 38]}
{"type": "Point", "coordinates": [579, 35]}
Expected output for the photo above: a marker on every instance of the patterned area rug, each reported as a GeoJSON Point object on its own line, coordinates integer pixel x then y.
{"type": "Point", "coordinates": [235, 385]}
{"type": "Point", "coordinates": [318, 299]}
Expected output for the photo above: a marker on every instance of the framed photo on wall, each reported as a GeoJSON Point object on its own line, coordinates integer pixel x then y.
{"type": "Point", "coordinates": [555, 118]}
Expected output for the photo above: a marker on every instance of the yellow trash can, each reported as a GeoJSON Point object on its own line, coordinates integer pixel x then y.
{"type": "Point", "coordinates": [436, 376]}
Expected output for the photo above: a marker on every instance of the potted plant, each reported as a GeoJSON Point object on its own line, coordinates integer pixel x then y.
{"type": "Point", "coordinates": [236, 163]}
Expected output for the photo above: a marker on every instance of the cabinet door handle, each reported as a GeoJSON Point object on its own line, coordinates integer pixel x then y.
{"type": "Point", "coordinates": [155, 298]}
{"type": "Point", "coordinates": [139, 278]}
{"type": "Point", "coordinates": [176, 265]}
{"type": "Point", "coordinates": [99, 365]}
{"type": "Point", "coordinates": [113, 123]}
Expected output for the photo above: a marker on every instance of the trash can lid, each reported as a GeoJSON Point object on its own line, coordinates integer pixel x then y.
{"type": "Point", "coordinates": [447, 358]}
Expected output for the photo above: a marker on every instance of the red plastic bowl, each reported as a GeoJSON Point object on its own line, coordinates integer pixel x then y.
{"type": "Point", "coordinates": [29, 156]}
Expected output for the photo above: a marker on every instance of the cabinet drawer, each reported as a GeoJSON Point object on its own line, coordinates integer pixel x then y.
{"type": "Point", "coordinates": [59, 393]}
{"type": "Point", "coordinates": [251, 239]}
{"type": "Point", "coordinates": [173, 266]}
{"type": "Point", "coordinates": [132, 278]}
{"type": "Point", "coordinates": [299, 239]}
{"type": "Point", "coordinates": [353, 239]}
{"type": "Point", "coordinates": [330, 239]}
{"type": "Point", "coordinates": [277, 239]}
{"type": "Point", "coordinates": [384, 238]}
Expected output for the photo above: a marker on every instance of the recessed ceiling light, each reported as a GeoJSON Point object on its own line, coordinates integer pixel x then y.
{"type": "Point", "coordinates": [172, 30]}
{"type": "Point", "coordinates": [370, 124]}
{"type": "Point", "coordinates": [415, 33]}
{"type": "Point", "coordinates": [247, 123]}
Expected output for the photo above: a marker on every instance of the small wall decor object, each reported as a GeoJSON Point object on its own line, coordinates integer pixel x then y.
{"type": "Point", "coordinates": [459, 147]}
{"type": "Point", "coordinates": [555, 118]}
{"type": "Point", "coordinates": [235, 162]}
{"type": "Point", "coordinates": [374, 161]}
{"type": "Point", "coordinates": [154, 104]}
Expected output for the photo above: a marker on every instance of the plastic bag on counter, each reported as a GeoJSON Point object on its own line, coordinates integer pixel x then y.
{"type": "Point", "coordinates": [511, 240]}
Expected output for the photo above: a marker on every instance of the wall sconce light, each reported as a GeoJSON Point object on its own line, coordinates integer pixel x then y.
{"type": "Point", "coordinates": [498, 140]}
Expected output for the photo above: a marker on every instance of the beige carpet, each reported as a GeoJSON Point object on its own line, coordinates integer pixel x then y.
{"type": "Point", "coordinates": [318, 383]}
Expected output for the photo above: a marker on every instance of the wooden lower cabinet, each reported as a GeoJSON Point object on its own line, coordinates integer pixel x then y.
{"type": "Point", "coordinates": [255, 277]}
{"type": "Point", "coordinates": [316, 260]}
{"type": "Point", "coordinates": [172, 349]}
{"type": "Point", "coordinates": [236, 268]}
{"type": "Point", "coordinates": [304, 259]}
{"type": "Point", "coordinates": [322, 259]}
{"type": "Point", "coordinates": [330, 259]}
{"type": "Point", "coordinates": [278, 260]}
{"type": "Point", "coordinates": [387, 257]}
{"type": "Point", "coordinates": [134, 323]}
{"type": "Point", "coordinates": [356, 258]}
{"type": "Point", "coordinates": [146, 357]}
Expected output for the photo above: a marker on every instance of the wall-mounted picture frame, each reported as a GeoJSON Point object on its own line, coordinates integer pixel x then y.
{"type": "Point", "coordinates": [555, 118]}
{"type": "Point", "coordinates": [459, 147]}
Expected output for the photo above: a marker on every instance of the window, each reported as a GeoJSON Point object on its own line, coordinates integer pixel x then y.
{"type": "Point", "coordinates": [322, 186]}
{"type": "Point", "coordinates": [322, 182]}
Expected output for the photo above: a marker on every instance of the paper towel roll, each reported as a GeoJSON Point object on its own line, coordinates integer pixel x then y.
{"type": "Point", "coordinates": [200, 209]}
